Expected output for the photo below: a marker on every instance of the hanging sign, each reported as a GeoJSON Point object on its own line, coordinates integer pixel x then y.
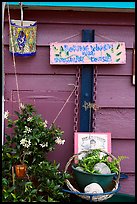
{"type": "Point", "coordinates": [22, 41]}
{"type": "Point", "coordinates": [88, 53]}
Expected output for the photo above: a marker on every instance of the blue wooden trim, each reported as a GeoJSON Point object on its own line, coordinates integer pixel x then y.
{"type": "Point", "coordinates": [117, 5]}
{"type": "Point", "coordinates": [87, 83]}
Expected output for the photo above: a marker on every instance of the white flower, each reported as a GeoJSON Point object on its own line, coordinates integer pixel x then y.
{"type": "Point", "coordinates": [45, 123]}
{"type": "Point", "coordinates": [6, 114]}
{"type": "Point", "coordinates": [25, 143]}
{"type": "Point", "coordinates": [27, 130]}
{"type": "Point", "coordinates": [22, 106]}
{"type": "Point", "coordinates": [42, 145]}
{"type": "Point", "coordinates": [59, 141]}
{"type": "Point", "coordinates": [40, 163]}
{"type": "Point", "coordinates": [29, 119]}
{"type": "Point", "coordinates": [50, 149]}
{"type": "Point", "coordinates": [63, 141]}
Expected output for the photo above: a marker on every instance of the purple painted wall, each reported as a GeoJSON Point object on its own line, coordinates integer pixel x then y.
{"type": "Point", "coordinates": [47, 86]}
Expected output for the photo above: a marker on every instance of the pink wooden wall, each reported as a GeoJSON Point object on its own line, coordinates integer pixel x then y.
{"type": "Point", "coordinates": [47, 86]}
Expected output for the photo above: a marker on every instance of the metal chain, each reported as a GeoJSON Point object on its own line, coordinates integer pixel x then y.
{"type": "Point", "coordinates": [76, 109]}
{"type": "Point", "coordinates": [94, 99]}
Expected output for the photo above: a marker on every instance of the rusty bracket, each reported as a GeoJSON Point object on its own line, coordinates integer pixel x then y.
{"type": "Point", "coordinates": [88, 105]}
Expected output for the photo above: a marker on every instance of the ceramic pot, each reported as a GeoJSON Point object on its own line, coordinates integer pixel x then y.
{"type": "Point", "coordinates": [20, 170]}
{"type": "Point", "coordinates": [84, 178]}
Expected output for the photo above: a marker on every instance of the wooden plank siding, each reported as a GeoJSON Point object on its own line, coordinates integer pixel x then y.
{"type": "Point", "coordinates": [48, 86]}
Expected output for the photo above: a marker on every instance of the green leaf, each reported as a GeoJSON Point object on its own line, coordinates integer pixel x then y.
{"type": "Point", "coordinates": [61, 49]}
{"type": "Point", "coordinates": [9, 156]}
{"type": "Point", "coordinates": [108, 55]}
{"type": "Point", "coordinates": [12, 189]}
{"type": "Point", "coordinates": [13, 195]}
{"type": "Point", "coordinates": [112, 50]}
{"type": "Point", "coordinates": [118, 53]}
{"type": "Point", "coordinates": [4, 181]}
{"type": "Point", "coordinates": [118, 46]}
{"type": "Point", "coordinates": [8, 137]}
{"type": "Point", "coordinates": [34, 191]}
{"type": "Point", "coordinates": [117, 59]}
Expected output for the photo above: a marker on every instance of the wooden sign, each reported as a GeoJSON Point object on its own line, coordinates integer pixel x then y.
{"type": "Point", "coordinates": [88, 53]}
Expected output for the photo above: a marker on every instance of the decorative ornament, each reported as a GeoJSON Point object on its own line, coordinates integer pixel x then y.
{"type": "Point", "coordinates": [22, 40]}
{"type": "Point", "coordinates": [93, 188]}
{"type": "Point", "coordinates": [102, 168]}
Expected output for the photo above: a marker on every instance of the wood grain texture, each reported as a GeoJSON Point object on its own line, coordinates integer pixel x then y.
{"type": "Point", "coordinates": [112, 91]}
{"type": "Point", "coordinates": [47, 33]}
{"type": "Point", "coordinates": [120, 122]}
{"type": "Point", "coordinates": [116, 91]}
{"type": "Point", "coordinates": [125, 147]}
{"type": "Point", "coordinates": [75, 17]}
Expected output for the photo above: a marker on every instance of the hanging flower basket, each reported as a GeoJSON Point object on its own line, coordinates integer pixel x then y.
{"type": "Point", "coordinates": [20, 170]}
{"type": "Point", "coordinates": [98, 196]}
{"type": "Point", "coordinates": [22, 41]}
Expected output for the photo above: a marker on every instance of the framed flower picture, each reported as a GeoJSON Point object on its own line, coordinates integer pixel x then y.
{"type": "Point", "coordinates": [91, 140]}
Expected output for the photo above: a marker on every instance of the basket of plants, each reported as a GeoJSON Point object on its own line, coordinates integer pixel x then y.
{"type": "Point", "coordinates": [96, 174]}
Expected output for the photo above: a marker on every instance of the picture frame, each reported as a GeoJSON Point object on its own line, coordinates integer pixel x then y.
{"type": "Point", "coordinates": [91, 140]}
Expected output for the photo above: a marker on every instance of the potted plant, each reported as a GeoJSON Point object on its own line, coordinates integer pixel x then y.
{"type": "Point", "coordinates": [97, 166]}
{"type": "Point", "coordinates": [28, 144]}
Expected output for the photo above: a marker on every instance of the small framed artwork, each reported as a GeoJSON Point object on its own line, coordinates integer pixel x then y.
{"type": "Point", "coordinates": [91, 140]}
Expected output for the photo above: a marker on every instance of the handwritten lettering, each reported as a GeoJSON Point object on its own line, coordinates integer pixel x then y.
{"type": "Point", "coordinates": [87, 53]}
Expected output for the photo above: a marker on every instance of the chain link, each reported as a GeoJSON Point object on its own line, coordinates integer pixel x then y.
{"type": "Point", "coordinates": [94, 99]}
{"type": "Point", "coordinates": [76, 109]}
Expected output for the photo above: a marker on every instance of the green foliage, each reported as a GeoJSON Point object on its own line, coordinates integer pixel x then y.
{"type": "Point", "coordinates": [89, 160]}
{"type": "Point", "coordinates": [29, 142]}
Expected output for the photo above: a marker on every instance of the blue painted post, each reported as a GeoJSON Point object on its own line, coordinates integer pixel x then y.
{"type": "Point", "coordinates": [87, 85]}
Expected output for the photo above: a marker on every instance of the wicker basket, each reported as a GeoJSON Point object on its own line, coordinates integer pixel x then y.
{"type": "Point", "coordinates": [94, 197]}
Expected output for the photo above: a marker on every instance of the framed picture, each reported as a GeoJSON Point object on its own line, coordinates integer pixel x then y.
{"type": "Point", "coordinates": [91, 140]}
